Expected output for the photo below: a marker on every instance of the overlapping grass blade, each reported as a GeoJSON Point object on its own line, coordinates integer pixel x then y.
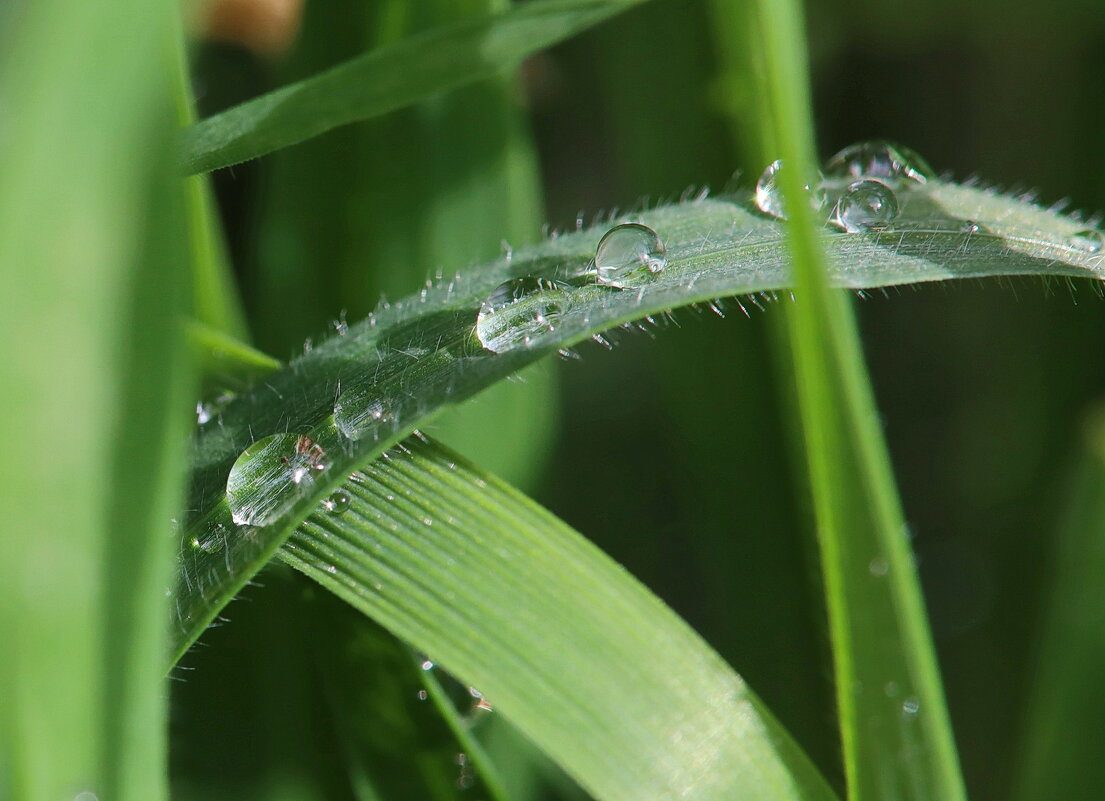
{"type": "Point", "coordinates": [592, 667]}
{"type": "Point", "coordinates": [1062, 755]}
{"type": "Point", "coordinates": [422, 354]}
{"type": "Point", "coordinates": [388, 79]}
{"type": "Point", "coordinates": [895, 730]}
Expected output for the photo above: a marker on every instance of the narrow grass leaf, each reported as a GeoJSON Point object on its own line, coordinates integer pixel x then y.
{"type": "Point", "coordinates": [896, 735]}
{"type": "Point", "coordinates": [82, 149]}
{"type": "Point", "coordinates": [363, 390]}
{"type": "Point", "coordinates": [560, 640]}
{"type": "Point", "coordinates": [1062, 723]}
{"type": "Point", "coordinates": [388, 79]}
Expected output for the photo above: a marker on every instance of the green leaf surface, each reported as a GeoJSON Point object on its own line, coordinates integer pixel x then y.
{"type": "Point", "coordinates": [1062, 743]}
{"type": "Point", "coordinates": [895, 730]}
{"type": "Point", "coordinates": [82, 155]}
{"type": "Point", "coordinates": [562, 641]}
{"type": "Point", "coordinates": [392, 372]}
{"type": "Point", "coordinates": [387, 79]}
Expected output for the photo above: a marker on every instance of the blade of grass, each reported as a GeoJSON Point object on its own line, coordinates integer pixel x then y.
{"type": "Point", "coordinates": [585, 661]}
{"type": "Point", "coordinates": [422, 354]}
{"type": "Point", "coordinates": [215, 300]}
{"type": "Point", "coordinates": [82, 151]}
{"type": "Point", "coordinates": [388, 79]}
{"type": "Point", "coordinates": [894, 723]}
{"type": "Point", "coordinates": [1062, 749]}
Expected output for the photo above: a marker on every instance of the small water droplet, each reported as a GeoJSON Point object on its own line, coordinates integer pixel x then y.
{"type": "Point", "coordinates": [879, 566]}
{"type": "Point", "coordinates": [866, 206]}
{"type": "Point", "coordinates": [910, 707]}
{"type": "Point", "coordinates": [427, 664]}
{"type": "Point", "coordinates": [332, 569]}
{"type": "Point", "coordinates": [628, 255]}
{"type": "Point", "coordinates": [204, 413]}
{"type": "Point", "coordinates": [359, 411]}
{"type": "Point", "coordinates": [878, 158]}
{"type": "Point", "coordinates": [1087, 240]}
{"type": "Point", "coordinates": [521, 312]}
{"type": "Point", "coordinates": [769, 195]}
{"type": "Point", "coordinates": [970, 227]}
{"type": "Point", "coordinates": [423, 695]}
{"type": "Point", "coordinates": [270, 476]}
{"type": "Point", "coordinates": [337, 503]}
{"type": "Point", "coordinates": [213, 541]}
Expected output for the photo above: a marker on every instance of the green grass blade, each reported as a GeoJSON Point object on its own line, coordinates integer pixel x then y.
{"type": "Point", "coordinates": [895, 730]}
{"type": "Point", "coordinates": [422, 354]}
{"type": "Point", "coordinates": [1062, 749]}
{"type": "Point", "coordinates": [215, 299]}
{"type": "Point", "coordinates": [388, 79]}
{"type": "Point", "coordinates": [83, 152]}
{"type": "Point", "coordinates": [584, 660]}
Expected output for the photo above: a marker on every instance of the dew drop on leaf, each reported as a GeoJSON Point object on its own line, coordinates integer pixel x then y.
{"type": "Point", "coordinates": [769, 195]}
{"type": "Point", "coordinates": [521, 313]}
{"type": "Point", "coordinates": [867, 205]}
{"type": "Point", "coordinates": [1087, 240]}
{"type": "Point", "coordinates": [878, 158]}
{"type": "Point", "coordinates": [337, 503]}
{"type": "Point", "coordinates": [360, 410]}
{"type": "Point", "coordinates": [270, 476]}
{"type": "Point", "coordinates": [628, 255]}
{"type": "Point", "coordinates": [910, 707]}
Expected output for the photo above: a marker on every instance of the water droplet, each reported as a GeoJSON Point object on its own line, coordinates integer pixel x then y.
{"type": "Point", "coordinates": [1087, 240]}
{"type": "Point", "coordinates": [866, 206]}
{"type": "Point", "coordinates": [337, 503]}
{"type": "Point", "coordinates": [204, 413]}
{"type": "Point", "coordinates": [361, 410]}
{"type": "Point", "coordinates": [891, 689]}
{"type": "Point", "coordinates": [332, 569]}
{"type": "Point", "coordinates": [270, 476]}
{"type": "Point", "coordinates": [628, 255]}
{"type": "Point", "coordinates": [521, 312]}
{"type": "Point", "coordinates": [427, 664]}
{"type": "Point", "coordinates": [879, 566]}
{"type": "Point", "coordinates": [769, 195]}
{"type": "Point", "coordinates": [910, 707]}
{"type": "Point", "coordinates": [970, 227]}
{"type": "Point", "coordinates": [423, 695]}
{"type": "Point", "coordinates": [878, 159]}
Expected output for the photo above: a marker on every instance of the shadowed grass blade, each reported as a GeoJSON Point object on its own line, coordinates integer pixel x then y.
{"type": "Point", "coordinates": [388, 79]}
{"type": "Point", "coordinates": [592, 667]}
{"type": "Point", "coordinates": [392, 372]}
{"type": "Point", "coordinates": [1062, 753]}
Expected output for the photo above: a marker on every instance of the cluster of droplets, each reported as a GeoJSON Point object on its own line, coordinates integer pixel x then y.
{"type": "Point", "coordinates": [856, 186]}
{"type": "Point", "coordinates": [524, 312]}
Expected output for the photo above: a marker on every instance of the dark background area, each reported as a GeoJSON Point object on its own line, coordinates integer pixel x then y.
{"type": "Point", "coordinates": [673, 453]}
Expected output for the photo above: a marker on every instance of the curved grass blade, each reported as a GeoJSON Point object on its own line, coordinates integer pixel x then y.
{"type": "Point", "coordinates": [392, 372]}
{"type": "Point", "coordinates": [592, 667]}
{"type": "Point", "coordinates": [387, 79]}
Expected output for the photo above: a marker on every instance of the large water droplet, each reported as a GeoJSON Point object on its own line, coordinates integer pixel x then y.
{"type": "Point", "coordinates": [878, 158]}
{"type": "Point", "coordinates": [521, 313]}
{"type": "Point", "coordinates": [769, 195]}
{"type": "Point", "coordinates": [270, 476]}
{"type": "Point", "coordinates": [866, 206]}
{"type": "Point", "coordinates": [360, 411]}
{"type": "Point", "coordinates": [629, 255]}
{"type": "Point", "coordinates": [1088, 241]}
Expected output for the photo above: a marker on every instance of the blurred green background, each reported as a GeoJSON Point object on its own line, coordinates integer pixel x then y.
{"type": "Point", "coordinates": [672, 452]}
